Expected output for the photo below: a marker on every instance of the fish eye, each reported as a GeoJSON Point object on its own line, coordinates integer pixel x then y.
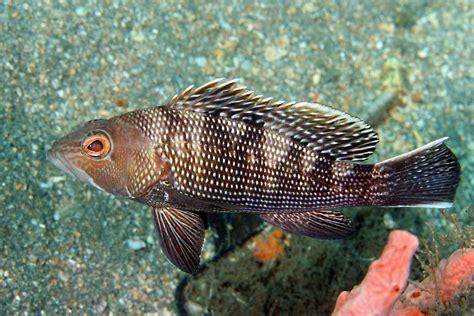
{"type": "Point", "coordinates": [97, 145]}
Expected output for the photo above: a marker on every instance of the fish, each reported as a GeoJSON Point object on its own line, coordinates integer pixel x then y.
{"type": "Point", "coordinates": [223, 148]}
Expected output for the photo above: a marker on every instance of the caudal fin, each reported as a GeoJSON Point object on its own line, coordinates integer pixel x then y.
{"type": "Point", "coordinates": [425, 177]}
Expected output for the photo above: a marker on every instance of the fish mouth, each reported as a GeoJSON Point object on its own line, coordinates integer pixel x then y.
{"type": "Point", "coordinates": [60, 162]}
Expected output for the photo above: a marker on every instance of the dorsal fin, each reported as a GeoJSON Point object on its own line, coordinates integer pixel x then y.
{"type": "Point", "coordinates": [325, 130]}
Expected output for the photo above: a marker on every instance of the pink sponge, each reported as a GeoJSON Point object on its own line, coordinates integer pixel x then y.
{"type": "Point", "coordinates": [380, 290]}
{"type": "Point", "coordinates": [452, 274]}
{"type": "Point", "coordinates": [457, 271]}
{"type": "Point", "coordinates": [386, 278]}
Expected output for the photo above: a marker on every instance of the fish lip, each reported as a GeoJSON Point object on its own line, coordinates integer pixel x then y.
{"type": "Point", "coordinates": [59, 162]}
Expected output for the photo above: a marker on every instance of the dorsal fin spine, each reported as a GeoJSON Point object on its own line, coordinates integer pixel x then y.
{"type": "Point", "coordinates": [320, 127]}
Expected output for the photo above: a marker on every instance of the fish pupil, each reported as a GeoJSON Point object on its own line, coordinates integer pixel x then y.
{"type": "Point", "coordinates": [96, 146]}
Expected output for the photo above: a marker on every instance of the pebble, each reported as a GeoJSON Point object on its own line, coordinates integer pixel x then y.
{"type": "Point", "coordinates": [81, 11]}
{"type": "Point", "coordinates": [237, 60]}
{"type": "Point", "coordinates": [246, 65]}
{"type": "Point", "coordinates": [423, 53]}
{"type": "Point", "coordinates": [388, 221]}
{"type": "Point", "coordinates": [292, 11]}
{"type": "Point", "coordinates": [151, 239]}
{"type": "Point", "coordinates": [387, 27]}
{"type": "Point", "coordinates": [201, 61]}
{"type": "Point", "coordinates": [273, 53]}
{"type": "Point", "coordinates": [290, 73]}
{"type": "Point", "coordinates": [316, 78]}
{"type": "Point", "coordinates": [138, 36]}
{"type": "Point", "coordinates": [135, 244]}
{"type": "Point", "coordinates": [223, 23]}
{"type": "Point", "coordinates": [219, 53]}
{"type": "Point", "coordinates": [309, 7]}
{"type": "Point", "coordinates": [51, 181]}
{"type": "Point", "coordinates": [55, 83]}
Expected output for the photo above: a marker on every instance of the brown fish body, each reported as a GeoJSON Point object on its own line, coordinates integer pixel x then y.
{"type": "Point", "coordinates": [223, 165]}
{"type": "Point", "coordinates": [219, 148]}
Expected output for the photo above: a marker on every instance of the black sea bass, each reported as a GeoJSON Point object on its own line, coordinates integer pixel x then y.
{"type": "Point", "coordinates": [220, 148]}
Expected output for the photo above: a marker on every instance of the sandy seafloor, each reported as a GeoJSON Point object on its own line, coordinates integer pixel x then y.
{"type": "Point", "coordinates": [66, 247]}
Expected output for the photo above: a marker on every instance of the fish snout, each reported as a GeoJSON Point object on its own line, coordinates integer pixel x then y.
{"type": "Point", "coordinates": [58, 160]}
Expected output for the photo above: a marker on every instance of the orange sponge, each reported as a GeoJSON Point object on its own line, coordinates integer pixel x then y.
{"type": "Point", "coordinates": [270, 248]}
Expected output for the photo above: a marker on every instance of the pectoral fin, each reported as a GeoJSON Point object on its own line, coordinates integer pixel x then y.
{"type": "Point", "coordinates": [316, 224]}
{"type": "Point", "coordinates": [181, 234]}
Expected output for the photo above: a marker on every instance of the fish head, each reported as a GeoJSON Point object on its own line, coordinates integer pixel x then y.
{"type": "Point", "coordinates": [101, 154]}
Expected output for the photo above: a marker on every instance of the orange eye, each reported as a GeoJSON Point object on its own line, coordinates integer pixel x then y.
{"type": "Point", "coordinates": [97, 145]}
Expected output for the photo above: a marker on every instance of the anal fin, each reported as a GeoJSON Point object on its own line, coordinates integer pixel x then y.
{"type": "Point", "coordinates": [315, 224]}
{"type": "Point", "coordinates": [181, 235]}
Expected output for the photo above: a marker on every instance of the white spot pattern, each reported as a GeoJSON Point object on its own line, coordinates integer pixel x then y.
{"type": "Point", "coordinates": [234, 163]}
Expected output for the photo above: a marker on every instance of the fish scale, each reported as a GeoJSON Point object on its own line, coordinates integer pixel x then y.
{"type": "Point", "coordinates": [221, 148]}
{"type": "Point", "coordinates": [250, 177]}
